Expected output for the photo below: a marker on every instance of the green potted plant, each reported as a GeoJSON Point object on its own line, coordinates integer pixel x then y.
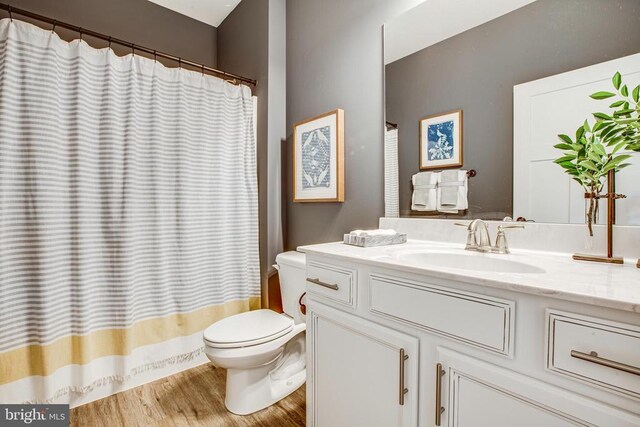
{"type": "Point", "coordinates": [601, 148]}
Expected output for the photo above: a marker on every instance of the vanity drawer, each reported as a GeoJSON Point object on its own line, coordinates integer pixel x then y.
{"type": "Point", "coordinates": [597, 351]}
{"type": "Point", "coordinates": [331, 282]}
{"type": "Point", "coordinates": [479, 320]}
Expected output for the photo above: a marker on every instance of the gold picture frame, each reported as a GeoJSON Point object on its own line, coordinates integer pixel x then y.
{"type": "Point", "coordinates": [436, 156]}
{"type": "Point", "coordinates": [318, 158]}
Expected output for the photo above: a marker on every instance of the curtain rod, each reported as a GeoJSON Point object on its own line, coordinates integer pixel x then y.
{"type": "Point", "coordinates": [132, 46]}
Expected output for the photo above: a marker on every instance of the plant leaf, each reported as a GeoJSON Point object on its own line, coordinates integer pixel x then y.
{"type": "Point", "coordinates": [599, 148]}
{"type": "Point", "coordinates": [562, 146]}
{"type": "Point", "coordinates": [618, 147]}
{"type": "Point", "coordinates": [624, 112]}
{"type": "Point", "coordinates": [565, 138]}
{"type": "Point", "coordinates": [564, 159]}
{"type": "Point", "coordinates": [636, 94]}
{"type": "Point", "coordinates": [602, 116]}
{"type": "Point", "coordinates": [624, 91]}
{"type": "Point", "coordinates": [616, 104]}
{"type": "Point", "coordinates": [617, 80]}
{"type": "Point", "coordinates": [602, 95]}
{"type": "Point", "coordinates": [589, 165]}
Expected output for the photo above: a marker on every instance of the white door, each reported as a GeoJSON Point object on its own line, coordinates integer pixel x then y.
{"type": "Point", "coordinates": [478, 394]}
{"type": "Point", "coordinates": [361, 373]}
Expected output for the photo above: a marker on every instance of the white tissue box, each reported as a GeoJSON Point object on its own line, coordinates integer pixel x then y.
{"type": "Point", "coordinates": [370, 241]}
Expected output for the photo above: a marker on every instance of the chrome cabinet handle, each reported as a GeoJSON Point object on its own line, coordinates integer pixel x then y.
{"type": "Point", "coordinates": [324, 284]}
{"type": "Point", "coordinates": [439, 409]}
{"type": "Point", "coordinates": [594, 358]}
{"type": "Point", "coordinates": [402, 389]}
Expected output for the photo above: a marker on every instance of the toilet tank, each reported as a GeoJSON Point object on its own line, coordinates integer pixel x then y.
{"type": "Point", "coordinates": [292, 272]}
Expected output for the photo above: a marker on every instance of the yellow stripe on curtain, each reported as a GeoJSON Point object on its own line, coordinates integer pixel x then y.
{"type": "Point", "coordinates": [81, 349]}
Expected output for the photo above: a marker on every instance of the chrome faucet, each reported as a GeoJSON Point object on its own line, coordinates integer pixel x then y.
{"type": "Point", "coordinates": [473, 244]}
{"type": "Point", "coordinates": [483, 244]}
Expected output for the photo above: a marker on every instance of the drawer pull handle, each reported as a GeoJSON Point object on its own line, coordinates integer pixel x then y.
{"type": "Point", "coordinates": [402, 389]}
{"type": "Point", "coordinates": [439, 409]}
{"type": "Point", "coordinates": [324, 284]}
{"type": "Point", "coordinates": [594, 358]}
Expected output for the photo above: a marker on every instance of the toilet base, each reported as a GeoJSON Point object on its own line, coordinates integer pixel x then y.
{"type": "Point", "coordinates": [250, 390]}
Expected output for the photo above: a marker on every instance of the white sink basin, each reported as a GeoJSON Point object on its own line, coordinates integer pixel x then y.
{"type": "Point", "coordinates": [473, 261]}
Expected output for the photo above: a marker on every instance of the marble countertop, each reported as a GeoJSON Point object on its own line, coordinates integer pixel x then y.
{"type": "Point", "coordinates": [613, 286]}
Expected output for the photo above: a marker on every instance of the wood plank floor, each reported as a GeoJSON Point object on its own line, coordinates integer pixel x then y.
{"type": "Point", "coordinates": [190, 398]}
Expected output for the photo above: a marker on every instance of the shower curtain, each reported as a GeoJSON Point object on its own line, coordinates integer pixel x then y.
{"type": "Point", "coordinates": [391, 181]}
{"type": "Point", "coordinates": [128, 216]}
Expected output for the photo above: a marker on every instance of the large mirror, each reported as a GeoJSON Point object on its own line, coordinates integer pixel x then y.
{"type": "Point", "coordinates": [477, 93]}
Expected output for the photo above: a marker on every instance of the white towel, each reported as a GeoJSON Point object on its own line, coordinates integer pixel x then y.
{"type": "Point", "coordinates": [452, 191]}
{"type": "Point", "coordinates": [424, 191]}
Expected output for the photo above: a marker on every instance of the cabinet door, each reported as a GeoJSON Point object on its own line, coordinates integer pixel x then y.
{"type": "Point", "coordinates": [478, 394]}
{"type": "Point", "coordinates": [360, 373]}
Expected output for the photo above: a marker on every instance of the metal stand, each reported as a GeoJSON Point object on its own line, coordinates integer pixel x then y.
{"type": "Point", "coordinates": [611, 197]}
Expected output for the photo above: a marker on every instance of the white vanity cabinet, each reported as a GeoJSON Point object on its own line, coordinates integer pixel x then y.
{"type": "Point", "coordinates": [361, 374]}
{"type": "Point", "coordinates": [478, 394]}
{"type": "Point", "coordinates": [477, 355]}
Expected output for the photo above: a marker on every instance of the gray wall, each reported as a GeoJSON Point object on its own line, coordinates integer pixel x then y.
{"type": "Point", "coordinates": [334, 60]}
{"type": "Point", "coordinates": [475, 71]}
{"type": "Point", "coordinates": [138, 21]}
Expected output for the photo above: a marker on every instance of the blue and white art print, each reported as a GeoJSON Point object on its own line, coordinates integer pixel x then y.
{"type": "Point", "coordinates": [316, 158]}
{"type": "Point", "coordinates": [319, 159]}
{"type": "Point", "coordinates": [441, 141]}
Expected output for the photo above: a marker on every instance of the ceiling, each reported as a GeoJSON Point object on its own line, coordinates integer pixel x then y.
{"type": "Point", "coordinates": [436, 20]}
{"type": "Point", "coordinates": [211, 12]}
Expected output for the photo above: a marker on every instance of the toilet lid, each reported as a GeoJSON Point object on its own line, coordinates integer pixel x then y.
{"type": "Point", "coordinates": [250, 328]}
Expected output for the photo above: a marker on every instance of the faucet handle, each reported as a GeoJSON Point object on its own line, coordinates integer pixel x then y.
{"type": "Point", "coordinates": [472, 243]}
{"type": "Point", "coordinates": [501, 239]}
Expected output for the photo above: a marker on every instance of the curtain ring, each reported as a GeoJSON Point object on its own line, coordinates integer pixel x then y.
{"type": "Point", "coordinates": [202, 70]}
{"type": "Point", "coordinates": [53, 29]}
{"type": "Point", "coordinates": [155, 56]}
{"type": "Point", "coordinates": [81, 32]}
{"type": "Point", "coordinates": [133, 49]}
{"type": "Point", "coordinates": [179, 62]}
{"type": "Point", "coordinates": [10, 15]}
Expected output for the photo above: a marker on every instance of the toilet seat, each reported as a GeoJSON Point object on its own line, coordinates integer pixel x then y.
{"type": "Point", "coordinates": [248, 329]}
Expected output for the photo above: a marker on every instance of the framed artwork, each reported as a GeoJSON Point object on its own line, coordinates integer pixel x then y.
{"type": "Point", "coordinates": [318, 158]}
{"type": "Point", "coordinates": [441, 141]}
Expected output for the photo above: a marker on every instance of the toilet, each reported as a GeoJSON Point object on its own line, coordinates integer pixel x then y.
{"type": "Point", "coordinates": [263, 351]}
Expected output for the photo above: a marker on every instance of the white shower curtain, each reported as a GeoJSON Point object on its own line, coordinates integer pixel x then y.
{"type": "Point", "coordinates": [391, 182]}
{"type": "Point", "coordinates": [128, 216]}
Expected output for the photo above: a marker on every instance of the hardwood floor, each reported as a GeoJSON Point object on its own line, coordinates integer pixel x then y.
{"type": "Point", "coordinates": [191, 398]}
